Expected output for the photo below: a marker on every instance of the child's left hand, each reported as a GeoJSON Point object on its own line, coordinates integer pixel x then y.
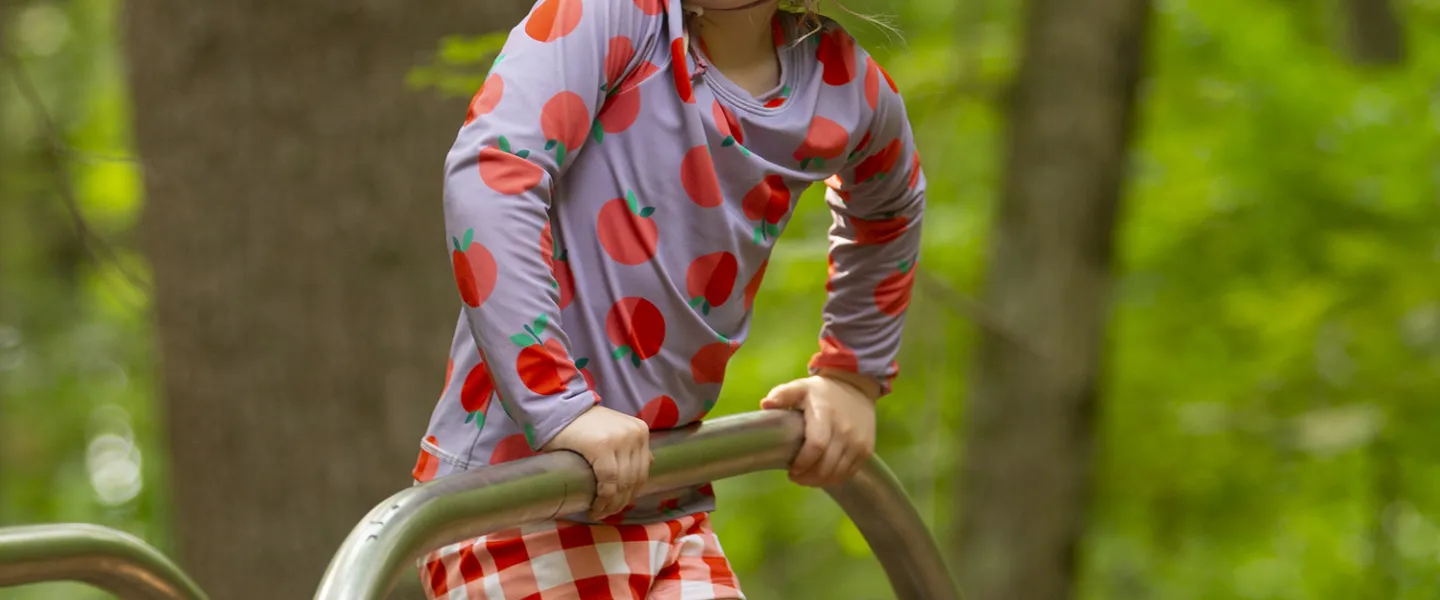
{"type": "Point", "coordinates": [839, 413]}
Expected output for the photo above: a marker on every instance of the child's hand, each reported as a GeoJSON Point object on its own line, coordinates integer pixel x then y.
{"type": "Point", "coordinates": [839, 425]}
{"type": "Point", "coordinates": [617, 446]}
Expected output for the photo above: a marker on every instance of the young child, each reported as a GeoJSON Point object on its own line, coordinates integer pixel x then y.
{"type": "Point", "coordinates": [611, 202]}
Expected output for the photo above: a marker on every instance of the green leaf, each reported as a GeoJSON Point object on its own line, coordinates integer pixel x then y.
{"type": "Point", "coordinates": [540, 323]}
{"type": "Point", "coordinates": [635, 358]}
{"type": "Point", "coordinates": [597, 132]}
{"type": "Point", "coordinates": [530, 436]}
{"type": "Point", "coordinates": [523, 154]}
{"type": "Point", "coordinates": [550, 145]}
{"type": "Point", "coordinates": [469, 417]}
{"type": "Point", "coordinates": [729, 141]}
{"type": "Point", "coordinates": [745, 151]}
{"type": "Point", "coordinates": [505, 144]}
{"type": "Point", "coordinates": [621, 352]}
{"type": "Point", "coordinates": [759, 235]}
{"type": "Point", "coordinates": [456, 241]}
{"type": "Point", "coordinates": [469, 238]}
{"type": "Point", "coordinates": [805, 164]}
{"type": "Point", "coordinates": [554, 283]}
{"type": "Point", "coordinates": [580, 364]}
{"type": "Point", "coordinates": [632, 202]}
{"type": "Point", "coordinates": [695, 302]}
{"type": "Point", "coordinates": [647, 211]}
{"type": "Point", "coordinates": [559, 154]}
{"type": "Point", "coordinates": [773, 229]}
{"type": "Point", "coordinates": [523, 340]}
{"type": "Point", "coordinates": [479, 420]}
{"type": "Point", "coordinates": [705, 309]}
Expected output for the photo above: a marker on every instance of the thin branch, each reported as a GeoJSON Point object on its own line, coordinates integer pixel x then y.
{"type": "Point", "coordinates": [972, 309]}
{"type": "Point", "coordinates": [96, 247]}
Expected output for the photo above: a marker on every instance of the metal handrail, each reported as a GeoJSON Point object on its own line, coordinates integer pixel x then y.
{"type": "Point", "coordinates": [455, 508]}
{"type": "Point", "coordinates": [106, 558]}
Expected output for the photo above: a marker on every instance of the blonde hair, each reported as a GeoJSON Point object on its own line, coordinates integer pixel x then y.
{"type": "Point", "coordinates": [810, 9]}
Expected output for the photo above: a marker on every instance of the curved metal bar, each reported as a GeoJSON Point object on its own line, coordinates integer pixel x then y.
{"type": "Point", "coordinates": [465, 505]}
{"type": "Point", "coordinates": [106, 558]}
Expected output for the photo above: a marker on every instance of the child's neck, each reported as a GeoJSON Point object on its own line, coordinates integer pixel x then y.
{"type": "Point", "coordinates": [740, 44]}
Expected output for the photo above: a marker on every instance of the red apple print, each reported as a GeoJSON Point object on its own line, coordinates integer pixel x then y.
{"type": "Point", "coordinates": [879, 164]}
{"type": "Point", "coordinates": [710, 279]}
{"type": "Point", "coordinates": [838, 186]}
{"type": "Point", "coordinates": [697, 174]}
{"type": "Point", "coordinates": [426, 465]}
{"type": "Point", "coordinates": [637, 329]}
{"type": "Point", "coordinates": [474, 270]}
{"type": "Point", "coordinates": [554, 19]}
{"type": "Point", "coordinates": [767, 202]}
{"type": "Point", "coordinates": [651, 7]}
{"type": "Point", "coordinates": [508, 172]}
{"type": "Point", "coordinates": [894, 373]}
{"type": "Point", "coordinates": [705, 410]}
{"type": "Point", "coordinates": [618, 518]}
{"type": "Point", "coordinates": [888, 80]}
{"type": "Point", "coordinates": [589, 379]}
{"type": "Point", "coordinates": [837, 54]}
{"type": "Point", "coordinates": [707, 489]}
{"type": "Point", "coordinates": [830, 274]}
{"type": "Point", "coordinates": [660, 413]}
{"type": "Point", "coordinates": [892, 296]}
{"type": "Point", "coordinates": [449, 370]}
{"type": "Point", "coordinates": [872, 83]}
{"type": "Point", "coordinates": [486, 99]}
{"type": "Point", "coordinates": [727, 124]}
{"type": "Point", "coordinates": [777, 31]}
{"type": "Point", "coordinates": [779, 101]}
{"type": "Point", "coordinates": [914, 169]}
{"type": "Point", "coordinates": [513, 447]}
{"type": "Point", "coordinates": [864, 143]}
{"type": "Point", "coordinates": [558, 262]}
{"type": "Point", "coordinates": [835, 355]}
{"type": "Point", "coordinates": [565, 120]}
{"type": "Point", "coordinates": [626, 232]}
{"type": "Point", "coordinates": [621, 52]}
{"type": "Point", "coordinates": [543, 366]}
{"type": "Point", "coordinates": [670, 508]}
{"type": "Point", "coordinates": [881, 231]}
{"type": "Point", "coordinates": [753, 287]}
{"type": "Point", "coordinates": [681, 68]}
{"type": "Point", "coordinates": [622, 104]}
{"type": "Point", "coordinates": [708, 364]}
{"type": "Point", "coordinates": [476, 393]}
{"type": "Point", "coordinates": [825, 140]}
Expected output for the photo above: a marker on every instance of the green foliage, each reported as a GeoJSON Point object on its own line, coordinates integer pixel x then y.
{"type": "Point", "coordinates": [1274, 351]}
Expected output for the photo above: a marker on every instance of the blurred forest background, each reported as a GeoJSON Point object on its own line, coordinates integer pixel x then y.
{"type": "Point", "coordinates": [1263, 395]}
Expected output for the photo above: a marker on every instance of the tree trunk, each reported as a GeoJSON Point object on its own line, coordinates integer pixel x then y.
{"type": "Point", "coordinates": [302, 294]}
{"type": "Point", "coordinates": [1375, 33]}
{"type": "Point", "coordinates": [1023, 485]}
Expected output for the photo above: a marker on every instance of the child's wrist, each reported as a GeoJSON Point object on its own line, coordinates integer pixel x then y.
{"type": "Point", "coordinates": [865, 385]}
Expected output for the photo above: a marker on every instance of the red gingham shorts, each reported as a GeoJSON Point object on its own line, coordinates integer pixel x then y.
{"type": "Point", "coordinates": [559, 560]}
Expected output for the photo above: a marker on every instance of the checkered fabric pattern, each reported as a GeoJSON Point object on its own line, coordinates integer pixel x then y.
{"type": "Point", "coordinates": [557, 560]}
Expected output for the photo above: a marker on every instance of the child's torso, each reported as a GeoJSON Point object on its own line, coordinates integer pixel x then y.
{"type": "Point", "coordinates": [661, 231]}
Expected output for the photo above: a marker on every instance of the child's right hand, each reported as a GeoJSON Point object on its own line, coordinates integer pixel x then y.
{"type": "Point", "coordinates": [617, 447]}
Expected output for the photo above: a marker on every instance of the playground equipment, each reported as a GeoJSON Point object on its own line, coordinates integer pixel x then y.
{"type": "Point", "coordinates": [403, 528]}
{"type": "Point", "coordinates": [103, 557]}
{"type": "Point", "coordinates": [398, 531]}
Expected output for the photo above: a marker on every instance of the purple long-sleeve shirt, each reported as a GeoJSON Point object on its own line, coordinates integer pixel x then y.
{"type": "Point", "coordinates": [610, 205]}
